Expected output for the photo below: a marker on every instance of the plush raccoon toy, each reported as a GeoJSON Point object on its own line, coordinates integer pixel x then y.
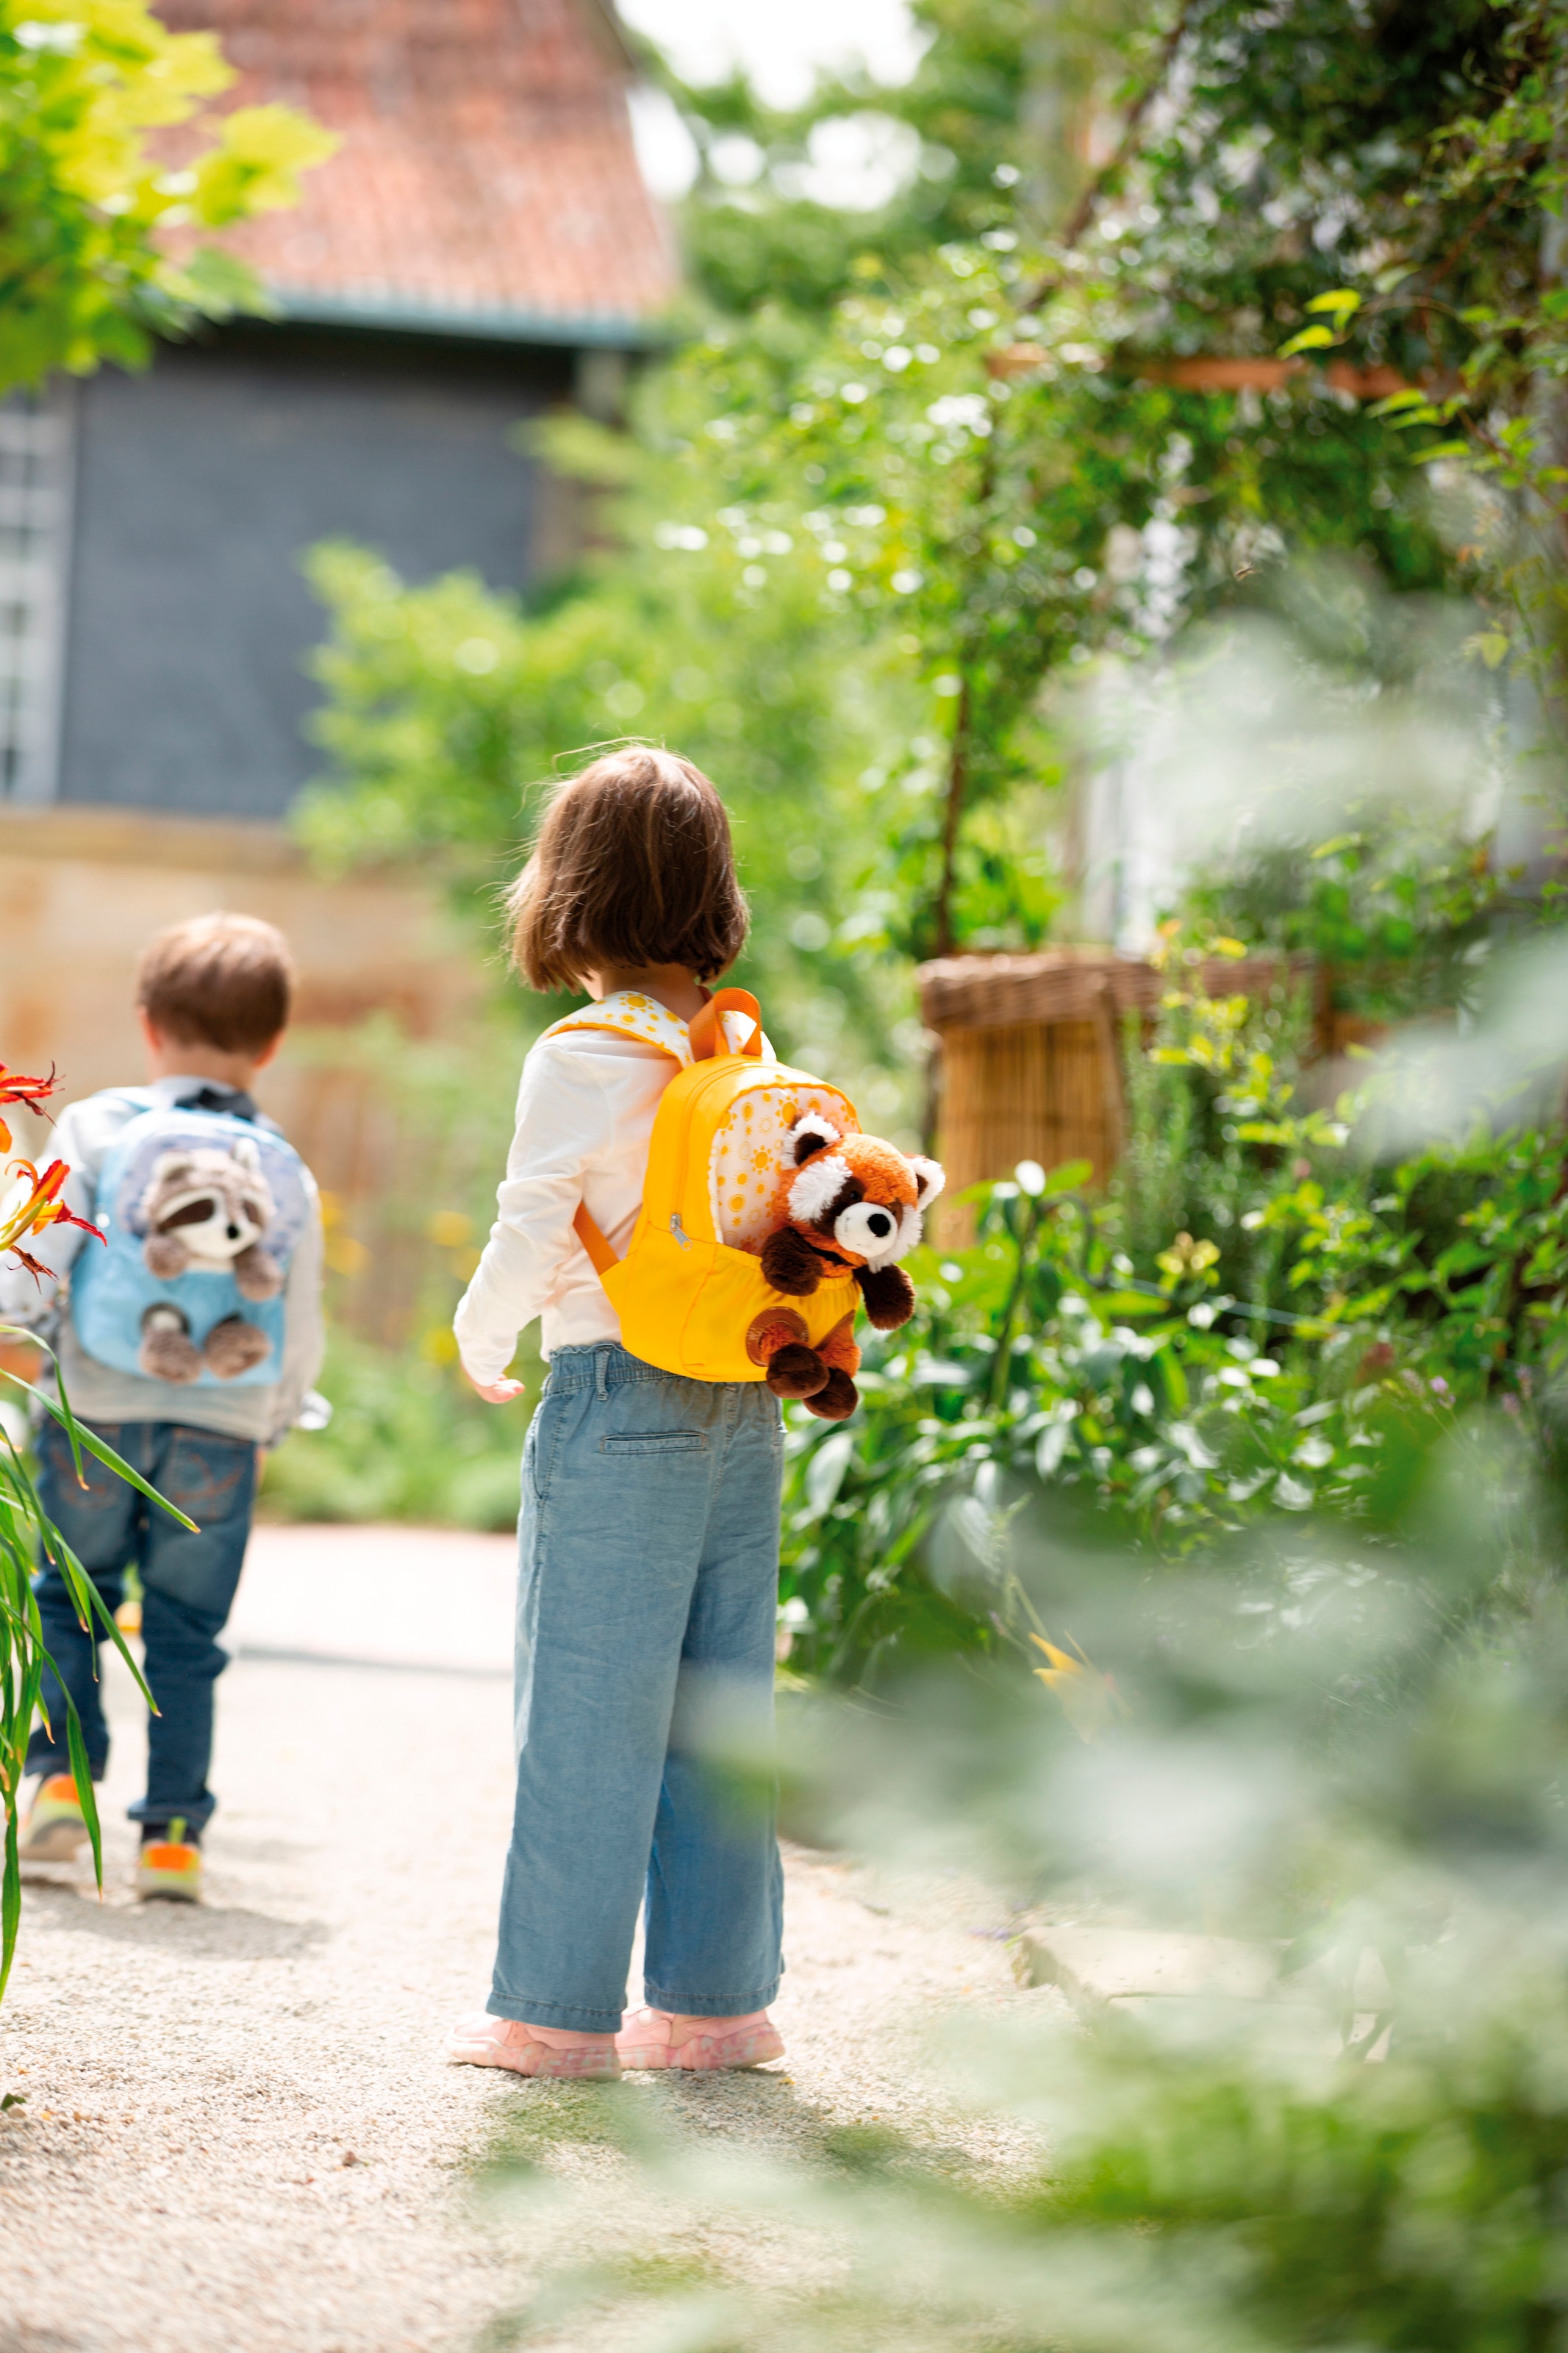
{"type": "Point", "coordinates": [206, 1212]}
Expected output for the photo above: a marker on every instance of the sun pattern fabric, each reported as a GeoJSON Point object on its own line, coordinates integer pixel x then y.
{"type": "Point", "coordinates": [632, 1015]}
{"type": "Point", "coordinates": [751, 1158]}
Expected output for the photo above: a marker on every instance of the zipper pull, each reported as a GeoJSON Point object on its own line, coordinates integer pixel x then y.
{"type": "Point", "coordinates": [674, 1227]}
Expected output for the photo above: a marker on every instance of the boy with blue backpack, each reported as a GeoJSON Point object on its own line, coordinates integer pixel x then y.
{"type": "Point", "coordinates": [189, 1338]}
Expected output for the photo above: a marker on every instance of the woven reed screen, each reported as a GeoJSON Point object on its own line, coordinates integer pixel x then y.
{"type": "Point", "coordinates": [1030, 1064]}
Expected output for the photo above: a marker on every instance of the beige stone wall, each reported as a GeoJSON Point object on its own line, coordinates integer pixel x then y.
{"type": "Point", "coordinates": [81, 890]}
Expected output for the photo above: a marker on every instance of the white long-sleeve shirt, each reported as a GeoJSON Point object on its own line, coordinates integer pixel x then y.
{"type": "Point", "coordinates": [82, 1137]}
{"type": "Point", "coordinates": [584, 1120]}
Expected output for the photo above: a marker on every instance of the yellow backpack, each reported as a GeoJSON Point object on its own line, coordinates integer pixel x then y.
{"type": "Point", "coordinates": [690, 1285]}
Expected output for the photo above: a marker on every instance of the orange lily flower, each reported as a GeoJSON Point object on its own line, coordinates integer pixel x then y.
{"type": "Point", "coordinates": [29, 1202]}
{"type": "Point", "coordinates": [17, 1089]}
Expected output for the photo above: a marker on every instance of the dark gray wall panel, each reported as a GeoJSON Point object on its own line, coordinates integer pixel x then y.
{"type": "Point", "coordinates": [198, 488]}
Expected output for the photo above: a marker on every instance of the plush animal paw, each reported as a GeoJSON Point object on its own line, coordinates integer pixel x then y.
{"type": "Point", "coordinates": [888, 1294]}
{"type": "Point", "coordinates": [233, 1347]}
{"type": "Point", "coordinates": [797, 1371]}
{"type": "Point", "coordinates": [791, 1265]}
{"type": "Point", "coordinates": [780, 1343]}
{"type": "Point", "coordinates": [166, 1256]}
{"type": "Point", "coordinates": [167, 1352]}
{"type": "Point", "coordinates": [256, 1275]}
{"type": "Point", "coordinates": [837, 1399]}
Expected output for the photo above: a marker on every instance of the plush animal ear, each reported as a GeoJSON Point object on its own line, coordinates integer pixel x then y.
{"type": "Point", "coordinates": [930, 1179]}
{"type": "Point", "coordinates": [245, 1155]}
{"type": "Point", "coordinates": [812, 1134]}
{"type": "Point", "coordinates": [170, 1164]}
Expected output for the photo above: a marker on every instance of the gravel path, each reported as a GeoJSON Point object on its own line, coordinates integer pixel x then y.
{"type": "Point", "coordinates": [237, 2130]}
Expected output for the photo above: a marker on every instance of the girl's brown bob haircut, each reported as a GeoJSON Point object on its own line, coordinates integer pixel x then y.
{"type": "Point", "coordinates": [632, 866]}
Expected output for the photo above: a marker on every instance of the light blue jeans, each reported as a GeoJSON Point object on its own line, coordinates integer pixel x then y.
{"type": "Point", "coordinates": [648, 1547]}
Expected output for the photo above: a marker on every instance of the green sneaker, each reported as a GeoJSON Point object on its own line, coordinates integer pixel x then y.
{"type": "Point", "coordinates": [170, 1865]}
{"type": "Point", "coordinates": [56, 1830]}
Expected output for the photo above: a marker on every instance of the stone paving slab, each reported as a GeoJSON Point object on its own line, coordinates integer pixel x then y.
{"type": "Point", "coordinates": [1198, 1985]}
{"type": "Point", "coordinates": [1101, 1964]}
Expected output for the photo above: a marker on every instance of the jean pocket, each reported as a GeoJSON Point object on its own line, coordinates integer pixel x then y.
{"type": "Point", "coordinates": [98, 1489]}
{"type": "Point", "coordinates": [208, 1477]}
{"type": "Point", "coordinates": [656, 1441]}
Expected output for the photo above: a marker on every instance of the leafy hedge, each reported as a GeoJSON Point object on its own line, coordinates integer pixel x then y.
{"type": "Point", "coordinates": [1247, 1365]}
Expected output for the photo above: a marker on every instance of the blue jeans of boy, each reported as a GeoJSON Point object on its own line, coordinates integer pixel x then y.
{"type": "Point", "coordinates": [647, 1601]}
{"type": "Point", "coordinates": [187, 1590]}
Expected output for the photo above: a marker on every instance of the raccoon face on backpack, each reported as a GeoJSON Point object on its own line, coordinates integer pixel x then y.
{"type": "Point", "coordinates": [203, 1213]}
{"type": "Point", "coordinates": [206, 1212]}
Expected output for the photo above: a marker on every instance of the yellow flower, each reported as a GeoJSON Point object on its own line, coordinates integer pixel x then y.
{"type": "Point", "coordinates": [1090, 1701]}
{"type": "Point", "coordinates": [1186, 1258]}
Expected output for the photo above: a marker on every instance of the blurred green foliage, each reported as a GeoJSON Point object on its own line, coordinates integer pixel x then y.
{"type": "Point", "coordinates": [863, 529]}
{"type": "Point", "coordinates": [87, 201]}
{"type": "Point", "coordinates": [755, 237]}
{"type": "Point", "coordinates": [408, 1440]}
{"type": "Point", "coordinates": [1243, 1329]}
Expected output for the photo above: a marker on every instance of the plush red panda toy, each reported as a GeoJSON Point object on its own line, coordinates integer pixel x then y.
{"type": "Point", "coordinates": [847, 1204]}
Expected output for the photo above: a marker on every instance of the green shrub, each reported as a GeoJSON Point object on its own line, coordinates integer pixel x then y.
{"type": "Point", "coordinates": [408, 1440]}
{"type": "Point", "coordinates": [1182, 1386]}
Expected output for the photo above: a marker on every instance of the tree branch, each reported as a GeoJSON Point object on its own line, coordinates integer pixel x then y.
{"type": "Point", "coordinates": [1088, 204]}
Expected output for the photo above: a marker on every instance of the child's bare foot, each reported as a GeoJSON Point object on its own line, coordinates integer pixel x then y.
{"type": "Point", "coordinates": [661, 2038]}
{"type": "Point", "coordinates": [486, 2041]}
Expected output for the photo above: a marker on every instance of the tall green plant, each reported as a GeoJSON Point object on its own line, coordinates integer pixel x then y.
{"type": "Point", "coordinates": [30, 1201]}
{"type": "Point", "coordinates": [1246, 1330]}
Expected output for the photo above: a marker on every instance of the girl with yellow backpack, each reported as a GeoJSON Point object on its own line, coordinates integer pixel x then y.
{"type": "Point", "coordinates": [638, 1191]}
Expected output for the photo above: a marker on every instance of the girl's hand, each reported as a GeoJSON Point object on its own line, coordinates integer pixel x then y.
{"type": "Point", "coordinates": [501, 1392]}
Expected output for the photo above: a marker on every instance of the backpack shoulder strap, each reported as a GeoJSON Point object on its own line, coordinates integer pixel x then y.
{"type": "Point", "coordinates": [628, 1014]}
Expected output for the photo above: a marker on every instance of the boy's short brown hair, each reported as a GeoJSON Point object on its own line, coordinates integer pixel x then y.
{"type": "Point", "coordinates": [217, 980]}
{"type": "Point", "coordinates": [633, 865]}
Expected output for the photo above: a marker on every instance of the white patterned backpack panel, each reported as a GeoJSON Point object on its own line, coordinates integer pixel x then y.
{"type": "Point", "coordinates": [750, 1155]}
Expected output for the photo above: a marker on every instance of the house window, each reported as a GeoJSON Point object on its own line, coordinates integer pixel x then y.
{"type": "Point", "coordinates": [35, 509]}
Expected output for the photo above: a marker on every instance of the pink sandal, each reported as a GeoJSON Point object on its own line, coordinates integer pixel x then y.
{"type": "Point", "coordinates": [659, 2037]}
{"type": "Point", "coordinates": [553, 2050]}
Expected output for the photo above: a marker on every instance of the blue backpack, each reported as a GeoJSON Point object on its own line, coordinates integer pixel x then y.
{"type": "Point", "coordinates": [201, 1213]}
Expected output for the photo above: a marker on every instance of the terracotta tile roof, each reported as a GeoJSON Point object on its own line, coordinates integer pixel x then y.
{"type": "Point", "coordinates": [486, 175]}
